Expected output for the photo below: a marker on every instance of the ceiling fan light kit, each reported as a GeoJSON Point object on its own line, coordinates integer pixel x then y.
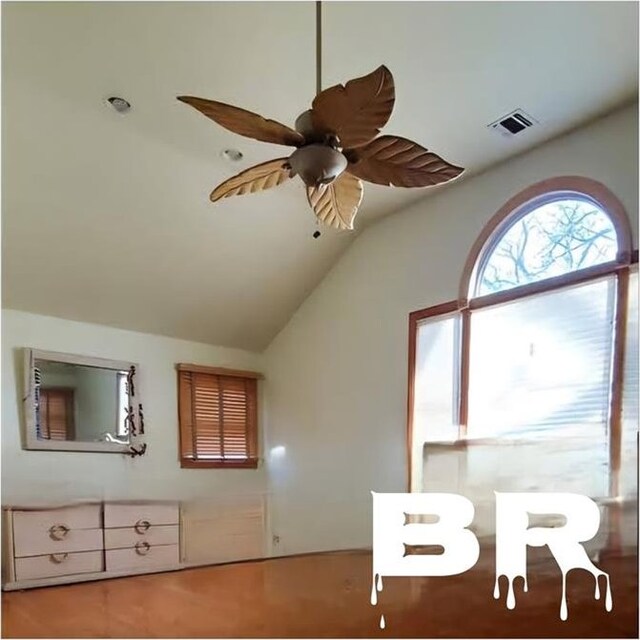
{"type": "Point", "coordinates": [317, 164]}
{"type": "Point", "coordinates": [336, 147]}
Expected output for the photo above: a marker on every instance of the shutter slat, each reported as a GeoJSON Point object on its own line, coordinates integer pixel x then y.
{"type": "Point", "coordinates": [219, 415]}
{"type": "Point", "coordinates": [56, 414]}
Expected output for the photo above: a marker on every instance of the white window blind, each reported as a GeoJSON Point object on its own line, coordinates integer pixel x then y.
{"type": "Point", "coordinates": [540, 370]}
{"type": "Point", "coordinates": [436, 376]}
{"type": "Point", "coordinates": [629, 460]}
{"type": "Point", "coordinates": [543, 364]}
{"type": "Point", "coordinates": [435, 388]}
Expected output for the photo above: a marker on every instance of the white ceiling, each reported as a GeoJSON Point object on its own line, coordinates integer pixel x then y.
{"type": "Point", "coordinates": [106, 218]}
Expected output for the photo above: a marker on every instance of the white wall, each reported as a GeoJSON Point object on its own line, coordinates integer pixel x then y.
{"type": "Point", "coordinates": [334, 399]}
{"type": "Point", "coordinates": [43, 476]}
{"type": "Point", "coordinates": [337, 373]}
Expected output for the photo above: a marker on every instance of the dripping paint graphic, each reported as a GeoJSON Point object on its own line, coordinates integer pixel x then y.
{"type": "Point", "coordinates": [513, 535]}
{"type": "Point", "coordinates": [393, 530]}
{"type": "Point", "coordinates": [511, 600]}
{"type": "Point", "coordinates": [376, 585]}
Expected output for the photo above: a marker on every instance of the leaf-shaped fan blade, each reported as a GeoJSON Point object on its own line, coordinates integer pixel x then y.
{"type": "Point", "coordinates": [336, 204]}
{"type": "Point", "coordinates": [245, 122]}
{"type": "Point", "coordinates": [357, 111]}
{"type": "Point", "coordinates": [398, 162]}
{"type": "Point", "coordinates": [262, 176]}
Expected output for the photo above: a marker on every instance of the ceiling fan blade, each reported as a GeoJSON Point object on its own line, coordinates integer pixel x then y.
{"type": "Point", "coordinates": [398, 162]}
{"type": "Point", "coordinates": [356, 111]}
{"type": "Point", "coordinates": [336, 204]}
{"type": "Point", "coordinates": [262, 176]}
{"type": "Point", "coordinates": [245, 122]}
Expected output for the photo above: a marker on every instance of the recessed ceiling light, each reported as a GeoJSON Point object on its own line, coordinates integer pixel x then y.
{"type": "Point", "coordinates": [232, 155]}
{"type": "Point", "coordinates": [119, 104]}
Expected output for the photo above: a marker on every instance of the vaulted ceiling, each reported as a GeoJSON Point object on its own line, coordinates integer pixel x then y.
{"type": "Point", "coordinates": [106, 218]}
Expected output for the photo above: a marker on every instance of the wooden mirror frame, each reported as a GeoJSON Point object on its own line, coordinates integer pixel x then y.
{"type": "Point", "coordinates": [30, 440]}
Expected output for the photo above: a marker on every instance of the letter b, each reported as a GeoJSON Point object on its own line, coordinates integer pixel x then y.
{"type": "Point", "coordinates": [391, 533]}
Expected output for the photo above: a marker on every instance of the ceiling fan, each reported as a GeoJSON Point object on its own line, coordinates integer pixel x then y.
{"type": "Point", "coordinates": [336, 146]}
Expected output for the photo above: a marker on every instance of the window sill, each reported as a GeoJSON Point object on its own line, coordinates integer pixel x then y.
{"type": "Point", "coordinates": [219, 464]}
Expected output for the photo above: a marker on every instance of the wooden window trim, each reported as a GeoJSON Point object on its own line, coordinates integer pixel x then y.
{"type": "Point", "coordinates": [220, 371]}
{"type": "Point", "coordinates": [443, 309]}
{"type": "Point", "coordinates": [190, 430]}
{"type": "Point", "coordinates": [617, 376]}
{"type": "Point", "coordinates": [250, 463]}
{"type": "Point", "coordinates": [415, 317]}
{"type": "Point", "coordinates": [545, 286]}
{"type": "Point", "coordinates": [520, 204]}
{"type": "Point", "coordinates": [627, 259]}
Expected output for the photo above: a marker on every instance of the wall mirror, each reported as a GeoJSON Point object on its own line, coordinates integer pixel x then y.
{"type": "Point", "coordinates": [77, 403]}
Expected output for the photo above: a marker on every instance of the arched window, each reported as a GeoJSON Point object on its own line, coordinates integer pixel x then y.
{"type": "Point", "coordinates": [532, 354]}
{"type": "Point", "coordinates": [552, 236]}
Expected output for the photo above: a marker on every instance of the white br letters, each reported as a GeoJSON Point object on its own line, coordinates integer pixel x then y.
{"type": "Point", "coordinates": [396, 526]}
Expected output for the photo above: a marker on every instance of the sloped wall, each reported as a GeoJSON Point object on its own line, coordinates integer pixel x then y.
{"type": "Point", "coordinates": [337, 373]}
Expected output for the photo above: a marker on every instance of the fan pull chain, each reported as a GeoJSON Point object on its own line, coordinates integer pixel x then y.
{"type": "Point", "coordinates": [318, 46]}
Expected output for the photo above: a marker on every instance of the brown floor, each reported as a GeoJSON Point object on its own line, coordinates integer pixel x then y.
{"type": "Point", "coordinates": [324, 595]}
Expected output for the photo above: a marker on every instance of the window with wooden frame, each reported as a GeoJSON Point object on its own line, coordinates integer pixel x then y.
{"type": "Point", "coordinates": [542, 342]}
{"type": "Point", "coordinates": [218, 417]}
{"type": "Point", "coordinates": [56, 414]}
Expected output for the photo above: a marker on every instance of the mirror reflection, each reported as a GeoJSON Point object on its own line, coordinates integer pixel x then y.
{"type": "Point", "coordinates": [80, 403]}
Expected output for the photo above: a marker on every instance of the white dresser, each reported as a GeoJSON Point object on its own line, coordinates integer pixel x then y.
{"type": "Point", "coordinates": [140, 536]}
{"type": "Point", "coordinates": [88, 542]}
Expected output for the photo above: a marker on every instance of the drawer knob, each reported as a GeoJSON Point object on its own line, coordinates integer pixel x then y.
{"type": "Point", "coordinates": [142, 526]}
{"type": "Point", "coordinates": [142, 548]}
{"type": "Point", "coordinates": [58, 532]}
{"type": "Point", "coordinates": [58, 558]}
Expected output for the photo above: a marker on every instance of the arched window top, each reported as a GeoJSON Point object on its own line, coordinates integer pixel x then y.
{"type": "Point", "coordinates": [556, 235]}
{"type": "Point", "coordinates": [554, 228]}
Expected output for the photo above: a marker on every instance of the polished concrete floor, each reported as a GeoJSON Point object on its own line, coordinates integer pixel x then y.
{"type": "Point", "coordinates": [325, 595]}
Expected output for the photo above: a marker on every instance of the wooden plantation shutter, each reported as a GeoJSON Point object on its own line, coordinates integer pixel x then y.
{"type": "Point", "coordinates": [56, 414]}
{"type": "Point", "coordinates": [218, 415]}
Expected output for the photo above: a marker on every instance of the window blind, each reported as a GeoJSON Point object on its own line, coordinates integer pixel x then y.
{"type": "Point", "coordinates": [435, 389]}
{"type": "Point", "coordinates": [436, 373]}
{"type": "Point", "coordinates": [218, 419]}
{"type": "Point", "coordinates": [629, 450]}
{"type": "Point", "coordinates": [56, 414]}
{"type": "Point", "coordinates": [540, 370]}
{"type": "Point", "coordinates": [543, 364]}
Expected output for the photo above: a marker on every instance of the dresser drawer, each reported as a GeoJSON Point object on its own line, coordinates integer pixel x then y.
{"type": "Point", "coordinates": [142, 557]}
{"type": "Point", "coordinates": [62, 564]}
{"type": "Point", "coordinates": [35, 543]}
{"type": "Point", "coordinates": [129, 536]}
{"type": "Point", "coordinates": [57, 530]}
{"type": "Point", "coordinates": [129, 515]}
{"type": "Point", "coordinates": [85, 516]}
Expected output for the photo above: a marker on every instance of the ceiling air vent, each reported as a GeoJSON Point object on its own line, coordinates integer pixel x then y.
{"type": "Point", "coordinates": [513, 123]}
